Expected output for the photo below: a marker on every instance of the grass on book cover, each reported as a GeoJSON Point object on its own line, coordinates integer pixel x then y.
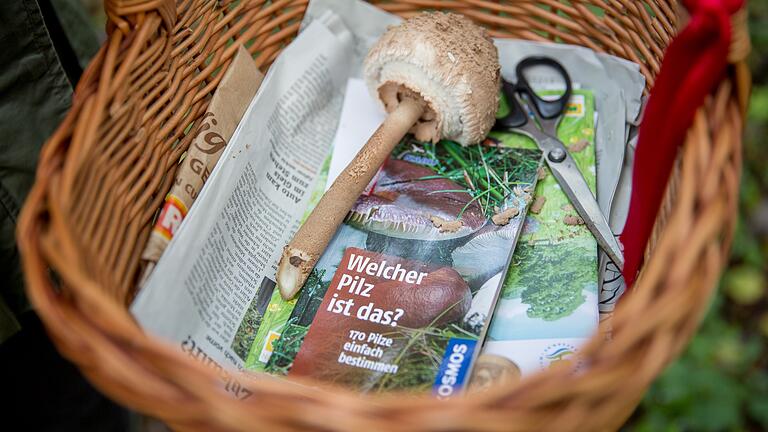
{"type": "Point", "coordinates": [409, 281]}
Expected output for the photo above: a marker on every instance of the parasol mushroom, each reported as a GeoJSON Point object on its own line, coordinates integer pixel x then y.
{"type": "Point", "coordinates": [437, 75]}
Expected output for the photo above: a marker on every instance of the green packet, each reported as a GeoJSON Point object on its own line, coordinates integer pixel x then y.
{"type": "Point", "coordinates": [573, 127]}
{"type": "Point", "coordinates": [548, 306]}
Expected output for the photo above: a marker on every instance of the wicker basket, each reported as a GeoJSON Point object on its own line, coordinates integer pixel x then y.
{"type": "Point", "coordinates": [103, 174]}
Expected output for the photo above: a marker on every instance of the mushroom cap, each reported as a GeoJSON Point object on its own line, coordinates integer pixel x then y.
{"type": "Point", "coordinates": [451, 63]}
{"type": "Point", "coordinates": [442, 297]}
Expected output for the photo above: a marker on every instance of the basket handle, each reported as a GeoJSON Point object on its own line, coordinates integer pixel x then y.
{"type": "Point", "coordinates": [126, 14]}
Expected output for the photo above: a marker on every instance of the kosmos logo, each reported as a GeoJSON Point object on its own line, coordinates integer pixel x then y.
{"type": "Point", "coordinates": [453, 371]}
{"type": "Point", "coordinates": [561, 355]}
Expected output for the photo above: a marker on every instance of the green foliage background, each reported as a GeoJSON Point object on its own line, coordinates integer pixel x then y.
{"type": "Point", "coordinates": [720, 383]}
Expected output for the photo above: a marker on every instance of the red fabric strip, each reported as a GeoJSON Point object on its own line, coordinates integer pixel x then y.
{"type": "Point", "coordinates": [693, 65]}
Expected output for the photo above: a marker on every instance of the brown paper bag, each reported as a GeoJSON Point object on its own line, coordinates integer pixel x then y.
{"type": "Point", "coordinates": [229, 102]}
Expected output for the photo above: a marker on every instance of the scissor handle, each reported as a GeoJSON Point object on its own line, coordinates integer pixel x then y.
{"type": "Point", "coordinates": [517, 116]}
{"type": "Point", "coordinates": [547, 109]}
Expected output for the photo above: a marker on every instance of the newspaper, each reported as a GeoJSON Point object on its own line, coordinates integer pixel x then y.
{"type": "Point", "coordinates": [612, 284]}
{"type": "Point", "coordinates": [226, 250]}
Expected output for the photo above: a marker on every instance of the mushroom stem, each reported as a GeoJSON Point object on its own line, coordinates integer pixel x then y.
{"type": "Point", "coordinates": [309, 242]}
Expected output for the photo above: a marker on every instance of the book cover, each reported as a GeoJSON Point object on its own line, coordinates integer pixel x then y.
{"type": "Point", "coordinates": [548, 305]}
{"type": "Point", "coordinates": [402, 297]}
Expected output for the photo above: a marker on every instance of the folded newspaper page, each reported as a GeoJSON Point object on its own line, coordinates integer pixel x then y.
{"type": "Point", "coordinates": [612, 284]}
{"type": "Point", "coordinates": [402, 297]}
{"type": "Point", "coordinates": [208, 288]}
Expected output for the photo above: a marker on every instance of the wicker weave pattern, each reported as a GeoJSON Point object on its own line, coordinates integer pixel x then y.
{"type": "Point", "coordinates": [105, 171]}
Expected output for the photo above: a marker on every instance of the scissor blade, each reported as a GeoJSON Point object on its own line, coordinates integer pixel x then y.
{"type": "Point", "coordinates": [575, 186]}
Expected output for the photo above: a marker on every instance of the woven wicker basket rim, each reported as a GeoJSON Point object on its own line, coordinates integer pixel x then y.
{"type": "Point", "coordinates": [105, 171]}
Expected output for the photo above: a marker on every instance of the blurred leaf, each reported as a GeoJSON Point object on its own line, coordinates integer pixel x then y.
{"type": "Point", "coordinates": [763, 324]}
{"type": "Point", "coordinates": [746, 246]}
{"type": "Point", "coordinates": [745, 284]}
{"type": "Point", "coordinates": [750, 194]}
{"type": "Point", "coordinates": [758, 104]}
{"type": "Point", "coordinates": [718, 403]}
{"type": "Point", "coordinates": [757, 406]}
{"type": "Point", "coordinates": [713, 386]}
{"type": "Point", "coordinates": [729, 352]}
{"type": "Point", "coordinates": [753, 350]}
{"type": "Point", "coordinates": [758, 409]}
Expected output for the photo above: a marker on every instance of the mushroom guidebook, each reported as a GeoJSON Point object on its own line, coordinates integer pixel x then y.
{"type": "Point", "coordinates": [399, 300]}
{"type": "Point", "coordinates": [402, 297]}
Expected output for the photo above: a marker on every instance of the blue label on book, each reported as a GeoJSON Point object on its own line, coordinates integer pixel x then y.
{"type": "Point", "coordinates": [453, 370]}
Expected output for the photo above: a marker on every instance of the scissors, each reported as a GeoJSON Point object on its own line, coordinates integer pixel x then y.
{"type": "Point", "coordinates": [540, 124]}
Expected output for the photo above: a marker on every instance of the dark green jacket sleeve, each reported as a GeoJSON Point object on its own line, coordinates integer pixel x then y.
{"type": "Point", "coordinates": [35, 93]}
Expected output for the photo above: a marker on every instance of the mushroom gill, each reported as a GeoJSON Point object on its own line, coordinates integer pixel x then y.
{"type": "Point", "coordinates": [403, 204]}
